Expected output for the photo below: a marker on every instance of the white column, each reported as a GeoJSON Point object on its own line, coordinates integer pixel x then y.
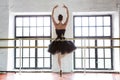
{"type": "Point", "coordinates": [118, 7]}
{"type": "Point", "coordinates": [119, 35]}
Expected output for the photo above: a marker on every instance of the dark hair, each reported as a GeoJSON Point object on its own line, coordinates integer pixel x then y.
{"type": "Point", "coordinates": [60, 17]}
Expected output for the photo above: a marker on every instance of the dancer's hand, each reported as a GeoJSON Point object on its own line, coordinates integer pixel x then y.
{"type": "Point", "coordinates": [55, 6]}
{"type": "Point", "coordinates": [64, 6]}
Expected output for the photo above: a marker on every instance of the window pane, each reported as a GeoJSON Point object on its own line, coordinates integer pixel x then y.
{"type": "Point", "coordinates": [100, 43]}
{"type": "Point", "coordinates": [26, 31]}
{"type": "Point", "coordinates": [18, 21]}
{"type": "Point", "coordinates": [39, 31]}
{"type": "Point", "coordinates": [78, 53]}
{"type": "Point", "coordinates": [84, 21]}
{"type": "Point", "coordinates": [47, 62]}
{"type": "Point", "coordinates": [40, 62]}
{"type": "Point", "coordinates": [86, 53]}
{"type": "Point", "coordinates": [18, 62]}
{"type": "Point", "coordinates": [92, 63]}
{"type": "Point", "coordinates": [100, 53]}
{"type": "Point", "coordinates": [46, 42]}
{"type": "Point", "coordinates": [78, 31]}
{"type": "Point", "coordinates": [99, 21]}
{"type": "Point", "coordinates": [107, 42]}
{"type": "Point", "coordinates": [78, 42]}
{"type": "Point", "coordinates": [92, 31]}
{"type": "Point", "coordinates": [116, 42]}
{"type": "Point", "coordinates": [40, 42]}
{"type": "Point", "coordinates": [40, 52]}
{"type": "Point", "coordinates": [26, 52]}
{"type": "Point", "coordinates": [46, 53]}
{"type": "Point", "coordinates": [86, 63]}
{"type": "Point", "coordinates": [85, 31]}
{"type": "Point", "coordinates": [17, 52]}
{"type": "Point", "coordinates": [78, 63]}
{"type": "Point", "coordinates": [77, 21]}
{"type": "Point", "coordinates": [33, 31]}
{"type": "Point", "coordinates": [46, 21]}
{"type": "Point", "coordinates": [26, 21]}
{"type": "Point", "coordinates": [106, 31]}
{"type": "Point", "coordinates": [19, 42]}
{"type": "Point", "coordinates": [91, 42]}
{"type": "Point", "coordinates": [92, 21]}
{"type": "Point", "coordinates": [32, 52]}
{"type": "Point", "coordinates": [19, 31]}
{"type": "Point", "coordinates": [32, 21]}
{"type": "Point", "coordinates": [107, 53]}
{"type": "Point", "coordinates": [92, 53]}
{"type": "Point", "coordinates": [100, 63]}
{"type": "Point", "coordinates": [26, 62]}
{"type": "Point", "coordinates": [46, 31]}
{"type": "Point", "coordinates": [40, 21]}
{"type": "Point", "coordinates": [99, 31]}
{"type": "Point", "coordinates": [32, 62]}
{"type": "Point", "coordinates": [86, 42]}
{"type": "Point", "coordinates": [107, 63]}
{"type": "Point", "coordinates": [106, 21]}
{"type": "Point", "coordinates": [32, 42]}
{"type": "Point", "coordinates": [25, 42]}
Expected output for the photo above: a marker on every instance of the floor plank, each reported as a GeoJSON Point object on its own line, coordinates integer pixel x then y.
{"type": "Point", "coordinates": [55, 76]}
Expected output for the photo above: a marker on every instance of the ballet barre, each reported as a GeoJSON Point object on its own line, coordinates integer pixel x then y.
{"type": "Point", "coordinates": [2, 47]}
{"type": "Point", "coordinates": [83, 45]}
{"type": "Point", "coordinates": [7, 39]}
{"type": "Point", "coordinates": [82, 39]}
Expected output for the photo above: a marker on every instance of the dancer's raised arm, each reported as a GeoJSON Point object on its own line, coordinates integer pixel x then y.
{"type": "Point", "coordinates": [55, 23]}
{"type": "Point", "coordinates": [67, 18]}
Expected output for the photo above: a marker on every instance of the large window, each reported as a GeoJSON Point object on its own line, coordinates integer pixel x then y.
{"type": "Point", "coordinates": [33, 31]}
{"type": "Point", "coordinates": [95, 32]}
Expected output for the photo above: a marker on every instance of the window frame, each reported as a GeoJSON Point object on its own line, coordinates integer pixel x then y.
{"type": "Point", "coordinates": [36, 43]}
{"type": "Point", "coordinates": [96, 49]}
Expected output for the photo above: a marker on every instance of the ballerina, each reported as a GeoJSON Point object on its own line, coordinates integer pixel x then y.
{"type": "Point", "coordinates": [60, 45]}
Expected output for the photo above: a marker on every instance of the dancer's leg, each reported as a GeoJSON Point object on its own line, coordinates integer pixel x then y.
{"type": "Point", "coordinates": [60, 56]}
{"type": "Point", "coordinates": [59, 63]}
{"type": "Point", "coordinates": [59, 60]}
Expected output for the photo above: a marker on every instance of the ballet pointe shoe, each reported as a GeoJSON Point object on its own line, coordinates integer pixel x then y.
{"type": "Point", "coordinates": [60, 73]}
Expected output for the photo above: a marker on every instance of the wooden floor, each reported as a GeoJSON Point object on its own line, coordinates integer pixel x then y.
{"type": "Point", "coordinates": [55, 76]}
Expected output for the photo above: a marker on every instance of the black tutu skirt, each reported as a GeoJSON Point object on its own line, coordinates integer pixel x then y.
{"type": "Point", "coordinates": [63, 46]}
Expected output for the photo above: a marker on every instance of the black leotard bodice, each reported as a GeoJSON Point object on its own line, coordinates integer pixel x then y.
{"type": "Point", "coordinates": [60, 33]}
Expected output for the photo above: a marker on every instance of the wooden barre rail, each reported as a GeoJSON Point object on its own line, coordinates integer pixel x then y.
{"type": "Point", "coordinates": [4, 39]}
{"type": "Point", "coordinates": [47, 47]}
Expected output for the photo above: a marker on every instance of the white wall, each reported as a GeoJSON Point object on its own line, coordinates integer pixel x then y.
{"type": "Point", "coordinates": [4, 17]}
{"type": "Point", "coordinates": [74, 5]}
{"type": "Point", "coordinates": [26, 6]}
{"type": "Point", "coordinates": [116, 34]}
